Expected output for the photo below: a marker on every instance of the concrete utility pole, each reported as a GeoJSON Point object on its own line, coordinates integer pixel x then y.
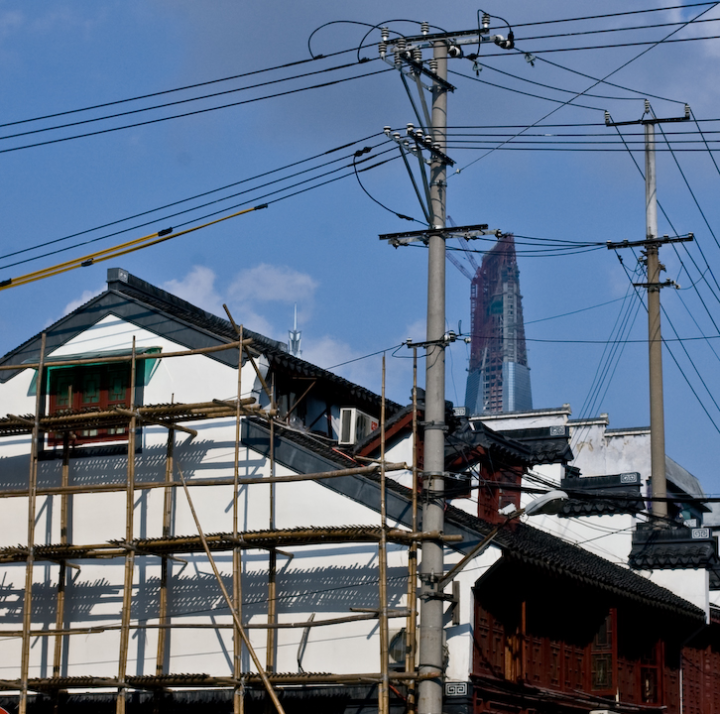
{"type": "Point", "coordinates": [654, 285]}
{"type": "Point", "coordinates": [657, 409]}
{"type": "Point", "coordinates": [430, 691]}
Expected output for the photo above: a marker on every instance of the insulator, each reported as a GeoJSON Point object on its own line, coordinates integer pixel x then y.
{"type": "Point", "coordinates": [410, 127]}
{"type": "Point", "coordinates": [647, 106]}
{"type": "Point", "coordinates": [436, 147]}
{"type": "Point", "coordinates": [687, 111]}
{"type": "Point", "coordinates": [433, 65]}
{"type": "Point", "coordinates": [396, 136]}
{"type": "Point", "coordinates": [419, 134]}
{"type": "Point", "coordinates": [485, 21]}
{"type": "Point", "coordinates": [401, 45]}
{"type": "Point", "coordinates": [385, 34]}
{"type": "Point", "coordinates": [427, 140]}
{"type": "Point", "coordinates": [386, 130]}
{"type": "Point", "coordinates": [425, 28]}
{"type": "Point", "coordinates": [383, 49]}
{"type": "Point", "coordinates": [406, 144]}
{"type": "Point", "coordinates": [417, 54]}
{"type": "Point", "coordinates": [454, 51]}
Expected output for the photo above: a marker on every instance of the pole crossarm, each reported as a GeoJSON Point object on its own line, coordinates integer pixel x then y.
{"type": "Point", "coordinates": [424, 235]}
{"type": "Point", "coordinates": [650, 241]}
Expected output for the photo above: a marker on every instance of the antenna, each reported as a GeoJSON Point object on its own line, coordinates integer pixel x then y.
{"type": "Point", "coordinates": [295, 338]}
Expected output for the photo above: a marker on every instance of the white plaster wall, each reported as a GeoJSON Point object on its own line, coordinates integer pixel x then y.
{"type": "Point", "coordinates": [323, 579]}
{"type": "Point", "coordinates": [692, 585]}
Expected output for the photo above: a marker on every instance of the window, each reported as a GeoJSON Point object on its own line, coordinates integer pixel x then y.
{"type": "Point", "coordinates": [602, 656]}
{"type": "Point", "coordinates": [93, 387]}
{"type": "Point", "coordinates": [650, 675]}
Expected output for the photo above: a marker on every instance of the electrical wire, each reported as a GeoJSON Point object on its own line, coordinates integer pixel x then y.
{"type": "Point", "coordinates": [161, 236]}
{"type": "Point", "coordinates": [185, 200]}
{"type": "Point", "coordinates": [519, 91]}
{"type": "Point", "coordinates": [114, 252]}
{"type": "Point", "coordinates": [605, 30]}
{"type": "Point", "coordinates": [614, 14]}
{"type": "Point", "coordinates": [174, 103]}
{"type": "Point", "coordinates": [379, 203]}
{"type": "Point", "coordinates": [612, 46]}
{"type": "Point", "coordinates": [574, 312]}
{"type": "Point", "coordinates": [195, 112]}
{"type": "Point", "coordinates": [172, 91]}
{"type": "Point", "coordinates": [610, 74]}
{"type": "Point", "coordinates": [190, 210]}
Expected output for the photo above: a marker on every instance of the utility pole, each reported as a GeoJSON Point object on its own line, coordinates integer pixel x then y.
{"type": "Point", "coordinates": [653, 285]}
{"type": "Point", "coordinates": [430, 691]}
{"type": "Point", "coordinates": [407, 51]}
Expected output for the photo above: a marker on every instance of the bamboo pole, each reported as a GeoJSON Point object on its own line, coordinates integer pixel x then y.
{"type": "Point", "coordinates": [164, 563]}
{"type": "Point", "coordinates": [243, 634]}
{"type": "Point", "coordinates": [129, 553]}
{"type": "Point", "coordinates": [128, 358]}
{"type": "Point", "coordinates": [238, 691]}
{"type": "Point", "coordinates": [62, 575]}
{"type": "Point", "coordinates": [32, 506]}
{"type": "Point", "coordinates": [146, 485]}
{"type": "Point", "coordinates": [272, 555]}
{"type": "Point", "coordinates": [384, 687]}
{"type": "Point", "coordinates": [411, 625]}
{"type": "Point", "coordinates": [206, 626]}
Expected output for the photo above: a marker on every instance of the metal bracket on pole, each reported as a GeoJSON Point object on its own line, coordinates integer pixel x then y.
{"type": "Point", "coordinates": [423, 236]}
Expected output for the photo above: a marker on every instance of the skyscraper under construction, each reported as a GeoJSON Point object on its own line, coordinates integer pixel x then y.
{"type": "Point", "coordinates": [499, 376]}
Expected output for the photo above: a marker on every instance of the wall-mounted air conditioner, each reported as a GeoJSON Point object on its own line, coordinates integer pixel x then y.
{"type": "Point", "coordinates": [355, 426]}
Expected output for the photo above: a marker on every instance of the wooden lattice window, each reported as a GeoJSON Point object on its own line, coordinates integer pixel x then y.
{"type": "Point", "coordinates": [97, 387]}
{"type": "Point", "coordinates": [603, 656]}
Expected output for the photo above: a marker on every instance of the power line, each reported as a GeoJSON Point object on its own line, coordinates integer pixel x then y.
{"type": "Point", "coordinates": [611, 29]}
{"type": "Point", "coordinates": [86, 261]}
{"type": "Point", "coordinates": [171, 91]}
{"type": "Point", "coordinates": [176, 102]}
{"type": "Point", "coordinates": [196, 111]}
{"type": "Point", "coordinates": [614, 14]}
{"type": "Point", "coordinates": [652, 43]}
{"type": "Point", "coordinates": [189, 198]}
{"type": "Point", "coordinates": [610, 74]}
{"type": "Point", "coordinates": [187, 210]}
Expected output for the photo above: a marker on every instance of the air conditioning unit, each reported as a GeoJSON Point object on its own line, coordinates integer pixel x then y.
{"type": "Point", "coordinates": [355, 426]}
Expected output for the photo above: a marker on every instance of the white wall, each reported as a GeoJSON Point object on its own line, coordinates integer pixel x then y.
{"type": "Point", "coordinates": [323, 579]}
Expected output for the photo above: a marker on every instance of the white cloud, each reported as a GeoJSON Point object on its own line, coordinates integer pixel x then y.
{"type": "Point", "coordinates": [198, 288]}
{"type": "Point", "coordinates": [273, 283]}
{"type": "Point", "coordinates": [87, 295]}
{"type": "Point", "coordinates": [247, 294]}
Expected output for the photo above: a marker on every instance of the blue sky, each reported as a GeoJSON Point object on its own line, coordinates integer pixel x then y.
{"type": "Point", "coordinates": [320, 250]}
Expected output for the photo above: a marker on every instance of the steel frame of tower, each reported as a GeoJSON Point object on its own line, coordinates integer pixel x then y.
{"type": "Point", "coordinates": [497, 328]}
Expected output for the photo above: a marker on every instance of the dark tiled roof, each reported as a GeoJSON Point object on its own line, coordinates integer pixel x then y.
{"type": "Point", "coordinates": [547, 444]}
{"type": "Point", "coordinates": [681, 547]}
{"type": "Point", "coordinates": [274, 351]}
{"type": "Point", "coordinates": [526, 544]}
{"type": "Point", "coordinates": [586, 495]}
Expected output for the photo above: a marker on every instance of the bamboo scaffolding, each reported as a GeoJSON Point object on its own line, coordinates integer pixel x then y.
{"type": "Point", "coordinates": [146, 485]}
{"type": "Point", "coordinates": [128, 358]}
{"type": "Point", "coordinates": [32, 507]}
{"type": "Point", "coordinates": [238, 691]}
{"type": "Point", "coordinates": [130, 552]}
{"type": "Point", "coordinates": [246, 640]}
{"type": "Point", "coordinates": [164, 563]}
{"type": "Point", "coordinates": [62, 575]}
{"type": "Point", "coordinates": [97, 629]}
{"type": "Point", "coordinates": [411, 625]}
{"type": "Point", "coordinates": [384, 688]}
{"type": "Point", "coordinates": [50, 684]}
{"type": "Point", "coordinates": [169, 416]}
